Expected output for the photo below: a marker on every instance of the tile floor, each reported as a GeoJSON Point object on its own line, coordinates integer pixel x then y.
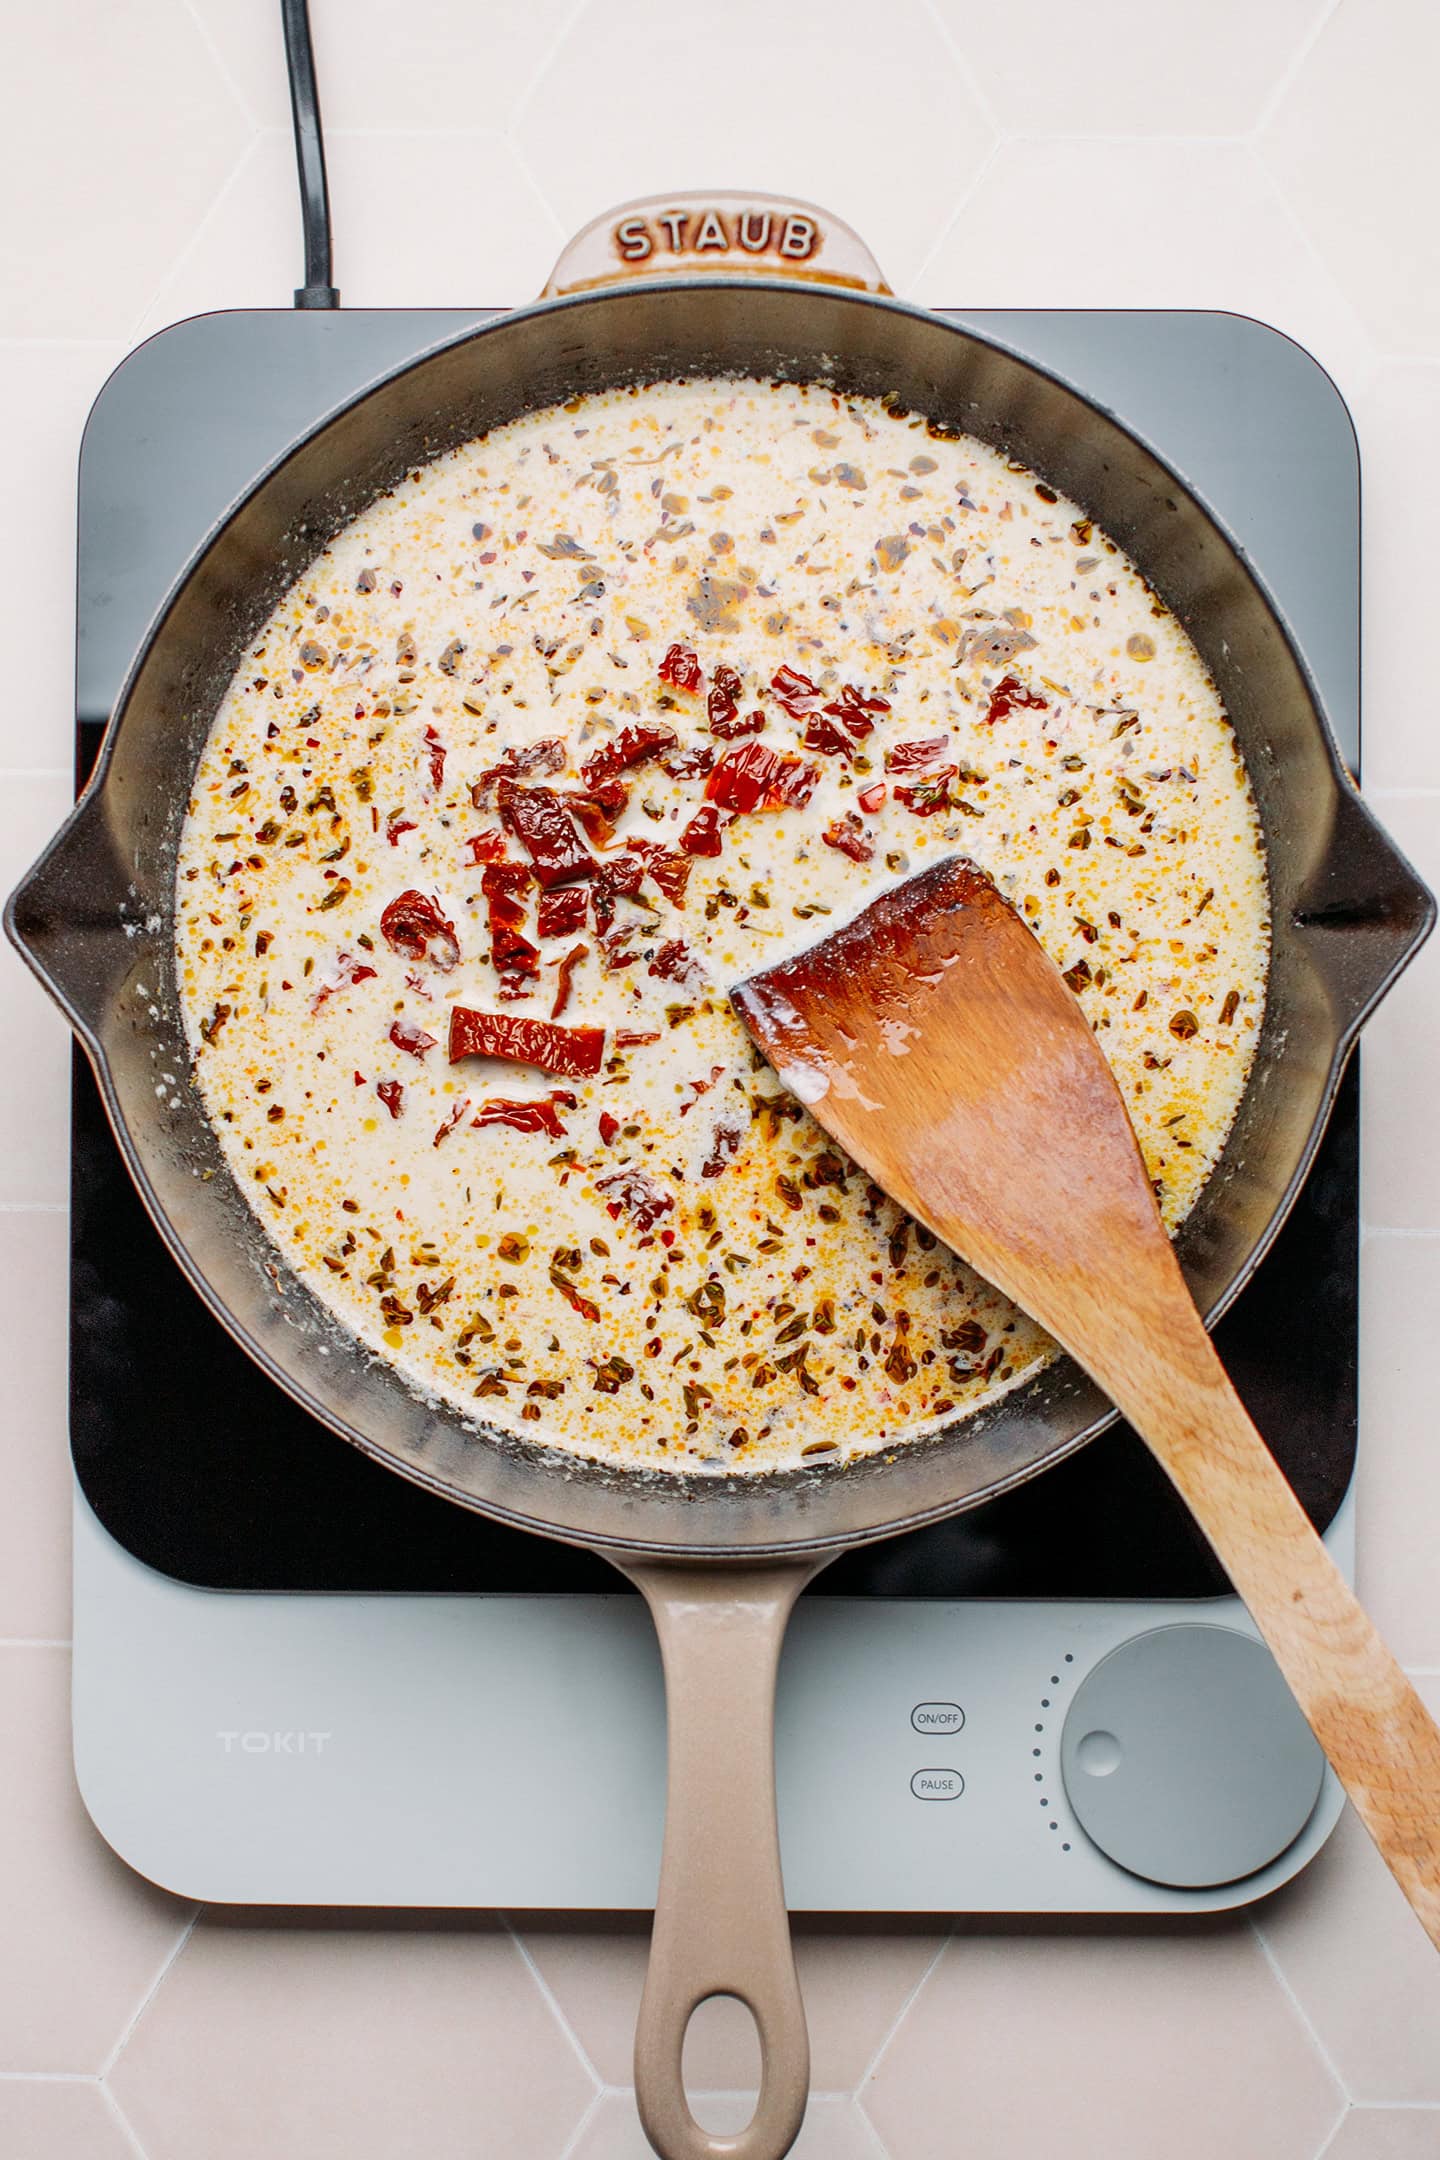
{"type": "Point", "coordinates": [1280, 159]}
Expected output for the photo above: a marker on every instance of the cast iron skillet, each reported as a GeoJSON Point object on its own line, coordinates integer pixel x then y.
{"type": "Point", "coordinates": [720, 1559]}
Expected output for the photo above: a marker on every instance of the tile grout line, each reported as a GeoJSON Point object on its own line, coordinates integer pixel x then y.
{"type": "Point", "coordinates": [1334, 2131]}
{"type": "Point", "coordinates": [219, 62]}
{"type": "Point", "coordinates": [35, 1642]}
{"type": "Point", "coordinates": [588, 2114]}
{"type": "Point", "coordinates": [1282, 1982]}
{"type": "Point", "coordinates": [923, 268]}
{"type": "Point", "coordinates": [149, 1996]}
{"type": "Point", "coordinates": [900, 2016]}
{"type": "Point", "coordinates": [533, 80]}
{"type": "Point", "coordinates": [49, 2077]}
{"type": "Point", "coordinates": [191, 247]}
{"type": "Point", "coordinates": [1290, 74]}
{"type": "Point", "coordinates": [127, 2129]}
{"type": "Point", "coordinates": [971, 75]}
{"type": "Point", "coordinates": [552, 2004]}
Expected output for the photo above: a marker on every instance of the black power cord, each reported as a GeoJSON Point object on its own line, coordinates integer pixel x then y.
{"type": "Point", "coordinates": [317, 291]}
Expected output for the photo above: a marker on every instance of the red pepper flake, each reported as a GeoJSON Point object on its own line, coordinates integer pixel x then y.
{"type": "Point", "coordinates": [1008, 695]}
{"type": "Point", "coordinates": [406, 1036]}
{"type": "Point", "coordinates": [855, 709]}
{"type": "Point", "coordinates": [398, 825]}
{"type": "Point", "coordinates": [928, 795]}
{"type": "Point", "coordinates": [669, 869]}
{"type": "Point", "coordinates": [585, 1306]}
{"type": "Point", "coordinates": [915, 756]}
{"type": "Point", "coordinates": [704, 833]}
{"type": "Point", "coordinates": [487, 846]}
{"type": "Point", "coordinates": [536, 760]}
{"type": "Point", "coordinates": [795, 691]}
{"type": "Point", "coordinates": [563, 971]}
{"type": "Point", "coordinates": [452, 1121]}
{"type": "Point", "coordinates": [632, 746]}
{"type": "Point", "coordinates": [392, 1095]}
{"type": "Point", "coordinates": [754, 778]}
{"type": "Point", "coordinates": [609, 1126]}
{"type": "Point", "coordinates": [635, 1195]}
{"type": "Point", "coordinates": [436, 760]}
{"type": "Point", "coordinates": [689, 764]}
{"type": "Point", "coordinates": [347, 972]}
{"type": "Point", "coordinates": [848, 835]}
{"type": "Point", "coordinates": [562, 912]}
{"type": "Point", "coordinates": [823, 735]}
{"type": "Point", "coordinates": [504, 885]}
{"type": "Point", "coordinates": [681, 667]}
{"type": "Point", "coordinates": [872, 798]}
{"type": "Point", "coordinates": [544, 828]}
{"type": "Point", "coordinates": [523, 1116]}
{"type": "Point", "coordinates": [413, 925]}
{"type": "Point", "coordinates": [575, 1053]}
{"type": "Point", "coordinates": [631, 1038]}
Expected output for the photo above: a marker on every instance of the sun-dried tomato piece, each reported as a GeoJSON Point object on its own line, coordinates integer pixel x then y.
{"type": "Point", "coordinates": [927, 796]}
{"type": "Point", "coordinates": [487, 846]}
{"type": "Point", "coordinates": [634, 1194]}
{"type": "Point", "coordinates": [723, 1146]}
{"type": "Point", "coordinates": [630, 747]}
{"type": "Point", "coordinates": [669, 869]}
{"type": "Point", "coordinates": [826, 737]}
{"type": "Point", "coordinates": [723, 702]}
{"type": "Point", "coordinates": [682, 668]}
{"type": "Point", "coordinates": [565, 968]}
{"type": "Point", "coordinates": [674, 962]}
{"type": "Point", "coordinates": [704, 833]}
{"type": "Point", "coordinates": [406, 1036]}
{"type": "Point", "coordinates": [504, 886]}
{"type": "Point", "coordinates": [392, 1095]}
{"type": "Point", "coordinates": [546, 831]}
{"type": "Point", "coordinates": [521, 1116]}
{"type": "Point", "coordinates": [414, 925]}
{"type": "Point", "coordinates": [751, 723]}
{"type": "Point", "coordinates": [855, 709]}
{"type": "Point", "coordinates": [596, 814]}
{"type": "Point", "coordinates": [452, 1121]}
{"type": "Point", "coordinates": [754, 778]}
{"type": "Point", "coordinates": [609, 1126]}
{"type": "Point", "coordinates": [562, 912]}
{"type": "Point", "coordinates": [1009, 695]}
{"type": "Point", "coordinates": [436, 760]}
{"type": "Point", "coordinates": [795, 691]}
{"type": "Point", "coordinates": [689, 764]}
{"type": "Point", "coordinates": [534, 760]}
{"type": "Point", "coordinates": [848, 835]}
{"type": "Point", "coordinates": [915, 756]}
{"type": "Point", "coordinates": [630, 1038]}
{"type": "Point", "coordinates": [613, 949]}
{"type": "Point", "coordinates": [574, 1053]}
{"type": "Point", "coordinates": [348, 971]}
{"type": "Point", "coordinates": [398, 825]}
{"type": "Point", "coordinates": [872, 798]}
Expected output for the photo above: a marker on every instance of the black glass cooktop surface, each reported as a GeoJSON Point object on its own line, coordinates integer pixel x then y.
{"type": "Point", "coordinates": [197, 1464]}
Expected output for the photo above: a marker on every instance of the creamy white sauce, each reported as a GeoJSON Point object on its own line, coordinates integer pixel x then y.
{"type": "Point", "coordinates": [524, 589]}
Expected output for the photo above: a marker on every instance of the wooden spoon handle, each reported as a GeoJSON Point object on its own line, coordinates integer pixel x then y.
{"type": "Point", "coordinates": [1380, 1739]}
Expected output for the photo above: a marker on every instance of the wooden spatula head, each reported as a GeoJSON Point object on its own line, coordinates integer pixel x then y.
{"type": "Point", "coordinates": [936, 1040]}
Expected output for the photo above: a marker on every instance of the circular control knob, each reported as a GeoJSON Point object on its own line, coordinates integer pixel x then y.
{"type": "Point", "coordinates": [1186, 1759]}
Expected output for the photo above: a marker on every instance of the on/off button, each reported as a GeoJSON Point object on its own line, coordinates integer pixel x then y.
{"type": "Point", "coordinates": [937, 1717]}
{"type": "Point", "coordinates": [937, 1784]}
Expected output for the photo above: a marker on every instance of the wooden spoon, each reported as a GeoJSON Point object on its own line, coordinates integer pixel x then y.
{"type": "Point", "coordinates": [939, 1044]}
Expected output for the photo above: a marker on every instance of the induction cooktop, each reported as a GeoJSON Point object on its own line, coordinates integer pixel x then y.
{"type": "Point", "coordinates": [300, 1679]}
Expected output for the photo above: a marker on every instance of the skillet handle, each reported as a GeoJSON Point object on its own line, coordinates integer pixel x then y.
{"type": "Point", "coordinates": [697, 235]}
{"type": "Point", "coordinates": [721, 1927]}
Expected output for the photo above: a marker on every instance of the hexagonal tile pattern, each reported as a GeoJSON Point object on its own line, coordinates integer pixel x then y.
{"type": "Point", "coordinates": [856, 1976]}
{"type": "Point", "coordinates": [1362, 103]}
{"type": "Point", "coordinates": [1386, 2134]}
{"type": "Point", "coordinates": [84, 1937]}
{"type": "Point", "coordinates": [34, 1449]}
{"type": "Point", "coordinates": [1360, 1966]}
{"type": "Point", "coordinates": [34, 1082]}
{"type": "Point", "coordinates": [138, 87]}
{"type": "Point", "coordinates": [1397, 416]}
{"type": "Point", "coordinates": [52, 2119]}
{"type": "Point", "coordinates": [1121, 69]}
{"type": "Point", "coordinates": [1133, 2042]}
{"type": "Point", "coordinates": [834, 2130]}
{"type": "Point", "coordinates": [1400, 1162]}
{"type": "Point", "coordinates": [666, 95]}
{"type": "Point", "coordinates": [54, 387]}
{"type": "Point", "coordinates": [1399, 1473]}
{"type": "Point", "coordinates": [354, 2043]}
{"type": "Point", "coordinates": [1102, 224]}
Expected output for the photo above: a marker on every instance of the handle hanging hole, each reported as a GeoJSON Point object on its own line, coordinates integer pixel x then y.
{"type": "Point", "coordinates": [720, 2064]}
